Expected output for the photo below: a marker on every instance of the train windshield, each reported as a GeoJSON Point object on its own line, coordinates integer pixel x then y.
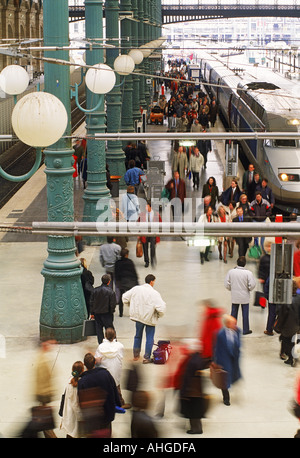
{"type": "Point", "coordinates": [286, 143]}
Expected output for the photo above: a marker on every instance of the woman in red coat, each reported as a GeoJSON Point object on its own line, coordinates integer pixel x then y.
{"type": "Point", "coordinates": [212, 323]}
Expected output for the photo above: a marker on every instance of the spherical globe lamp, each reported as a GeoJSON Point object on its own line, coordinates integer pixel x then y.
{"type": "Point", "coordinates": [15, 81]}
{"type": "Point", "coordinates": [145, 50]}
{"type": "Point", "coordinates": [137, 56]}
{"type": "Point", "coordinates": [124, 64]}
{"type": "Point", "coordinates": [100, 79]}
{"type": "Point", "coordinates": [39, 119]}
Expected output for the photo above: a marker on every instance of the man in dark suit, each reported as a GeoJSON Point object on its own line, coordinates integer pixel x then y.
{"type": "Point", "coordinates": [254, 187]}
{"type": "Point", "coordinates": [103, 305]}
{"type": "Point", "coordinates": [176, 187]}
{"type": "Point", "coordinates": [248, 177]}
{"type": "Point", "coordinates": [242, 242]}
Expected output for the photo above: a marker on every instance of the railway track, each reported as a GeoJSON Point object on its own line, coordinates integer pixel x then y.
{"type": "Point", "coordinates": [20, 158]}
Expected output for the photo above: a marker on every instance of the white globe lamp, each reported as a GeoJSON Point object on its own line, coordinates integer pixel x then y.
{"type": "Point", "coordinates": [137, 56]}
{"type": "Point", "coordinates": [100, 79]}
{"type": "Point", "coordinates": [15, 79]}
{"type": "Point", "coordinates": [146, 50]}
{"type": "Point", "coordinates": [124, 64]}
{"type": "Point", "coordinates": [39, 119]}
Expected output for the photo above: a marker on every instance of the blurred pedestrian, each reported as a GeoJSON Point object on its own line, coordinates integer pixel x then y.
{"type": "Point", "coordinates": [142, 425]}
{"type": "Point", "coordinates": [227, 353]}
{"type": "Point", "coordinates": [146, 307]}
{"type": "Point", "coordinates": [211, 324]}
{"type": "Point", "coordinates": [125, 276]}
{"type": "Point", "coordinates": [98, 398]}
{"type": "Point", "coordinates": [44, 386]}
{"type": "Point", "coordinates": [103, 305]}
{"type": "Point", "coordinates": [288, 325]}
{"type": "Point", "coordinates": [193, 402]}
{"type": "Point", "coordinates": [110, 354]}
{"type": "Point", "coordinates": [297, 403]}
{"type": "Point", "coordinates": [240, 281]}
{"type": "Point", "coordinates": [71, 416]}
{"type": "Point", "coordinates": [296, 259]}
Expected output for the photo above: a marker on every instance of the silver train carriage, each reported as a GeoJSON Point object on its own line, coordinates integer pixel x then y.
{"type": "Point", "coordinates": [259, 102]}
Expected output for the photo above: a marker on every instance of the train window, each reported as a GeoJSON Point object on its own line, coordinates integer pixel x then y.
{"type": "Point", "coordinates": [268, 142]}
{"type": "Point", "coordinates": [285, 143]}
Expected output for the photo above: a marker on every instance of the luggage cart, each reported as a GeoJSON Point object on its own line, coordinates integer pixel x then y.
{"type": "Point", "coordinates": [154, 182]}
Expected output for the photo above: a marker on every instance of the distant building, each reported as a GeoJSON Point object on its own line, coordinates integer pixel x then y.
{"type": "Point", "coordinates": [21, 19]}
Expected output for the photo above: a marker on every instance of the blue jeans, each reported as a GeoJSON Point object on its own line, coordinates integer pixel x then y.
{"type": "Point", "coordinates": [245, 312]}
{"type": "Point", "coordinates": [137, 344]}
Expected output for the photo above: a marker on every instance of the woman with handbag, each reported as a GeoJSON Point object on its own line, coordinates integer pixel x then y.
{"type": "Point", "coordinates": [71, 409]}
{"type": "Point", "coordinates": [227, 354]}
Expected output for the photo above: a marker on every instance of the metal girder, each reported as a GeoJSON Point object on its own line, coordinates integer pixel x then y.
{"type": "Point", "coordinates": [169, 229]}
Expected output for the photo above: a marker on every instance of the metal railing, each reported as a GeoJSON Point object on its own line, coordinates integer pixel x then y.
{"type": "Point", "coordinates": [168, 229]}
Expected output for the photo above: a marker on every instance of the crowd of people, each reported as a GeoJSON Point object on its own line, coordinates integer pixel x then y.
{"type": "Point", "coordinates": [93, 394]}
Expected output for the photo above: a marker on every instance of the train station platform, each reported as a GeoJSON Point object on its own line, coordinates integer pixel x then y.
{"type": "Point", "coordinates": [259, 401]}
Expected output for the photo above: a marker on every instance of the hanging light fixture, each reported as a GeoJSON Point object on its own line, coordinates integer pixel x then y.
{"type": "Point", "coordinates": [124, 64]}
{"type": "Point", "coordinates": [39, 119]}
{"type": "Point", "coordinates": [100, 79]}
{"type": "Point", "coordinates": [14, 79]}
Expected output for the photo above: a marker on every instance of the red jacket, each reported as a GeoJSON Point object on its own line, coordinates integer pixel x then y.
{"type": "Point", "coordinates": [211, 325]}
{"type": "Point", "coordinates": [297, 263]}
{"type": "Point", "coordinates": [181, 191]}
{"type": "Point", "coordinates": [143, 219]}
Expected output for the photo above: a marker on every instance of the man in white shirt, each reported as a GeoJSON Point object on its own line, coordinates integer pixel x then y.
{"type": "Point", "coordinates": [146, 306]}
{"type": "Point", "coordinates": [240, 282]}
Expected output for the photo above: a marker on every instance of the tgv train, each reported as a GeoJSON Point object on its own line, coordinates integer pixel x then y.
{"type": "Point", "coordinates": [256, 101]}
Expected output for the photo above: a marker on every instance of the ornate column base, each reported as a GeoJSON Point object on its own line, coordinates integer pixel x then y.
{"type": "Point", "coordinates": [63, 307]}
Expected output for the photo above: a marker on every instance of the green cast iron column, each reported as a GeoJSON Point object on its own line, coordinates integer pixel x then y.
{"type": "Point", "coordinates": [141, 41]}
{"type": "Point", "coordinates": [147, 40]}
{"type": "Point", "coordinates": [114, 155]}
{"type": "Point", "coordinates": [95, 122]}
{"type": "Point", "coordinates": [127, 124]}
{"type": "Point", "coordinates": [63, 306]}
{"type": "Point", "coordinates": [135, 77]}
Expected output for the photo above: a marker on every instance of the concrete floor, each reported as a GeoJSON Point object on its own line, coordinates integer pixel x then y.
{"type": "Point", "coordinates": [260, 401]}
